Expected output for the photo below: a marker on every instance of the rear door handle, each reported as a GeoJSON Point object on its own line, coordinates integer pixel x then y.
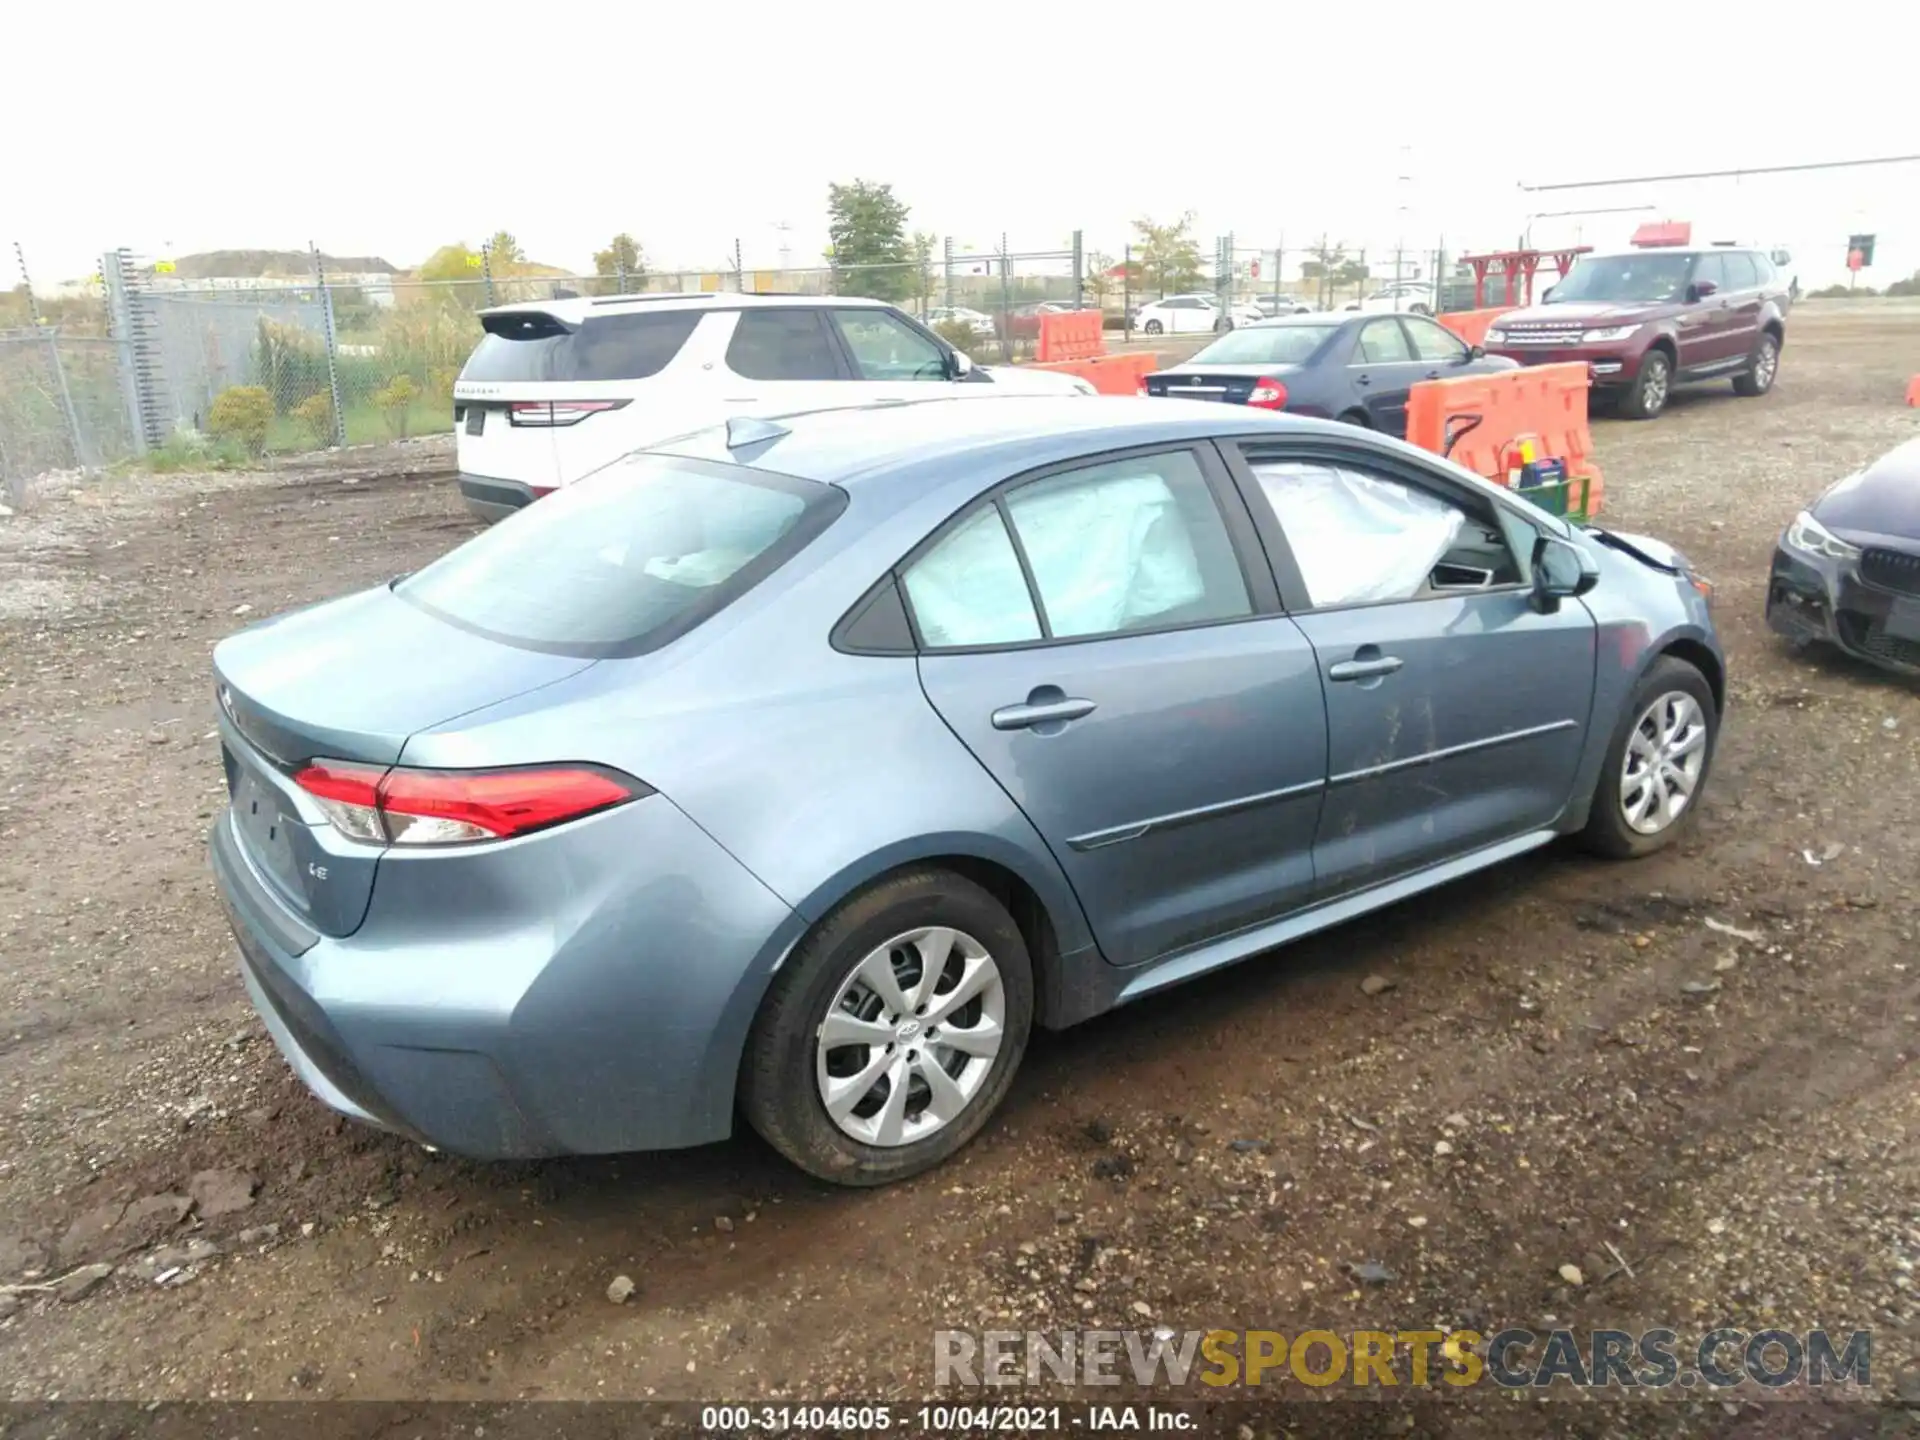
{"type": "Point", "coordinates": [1364, 669]}
{"type": "Point", "coordinates": [1361, 380]}
{"type": "Point", "coordinates": [1022, 717]}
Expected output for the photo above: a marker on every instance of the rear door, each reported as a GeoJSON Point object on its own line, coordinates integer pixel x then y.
{"type": "Point", "coordinates": [1703, 323]}
{"type": "Point", "coordinates": [1106, 641]}
{"type": "Point", "coordinates": [1383, 369]}
{"type": "Point", "coordinates": [782, 358]}
{"type": "Point", "coordinates": [1746, 299]}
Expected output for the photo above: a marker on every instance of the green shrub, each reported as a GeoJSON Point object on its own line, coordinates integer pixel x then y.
{"type": "Point", "coordinates": [316, 413]}
{"type": "Point", "coordinates": [395, 401]}
{"type": "Point", "coordinates": [961, 335]}
{"type": "Point", "coordinates": [242, 414]}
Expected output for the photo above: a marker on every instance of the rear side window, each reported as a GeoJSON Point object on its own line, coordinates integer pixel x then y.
{"type": "Point", "coordinates": [627, 559]}
{"type": "Point", "coordinates": [530, 346]}
{"type": "Point", "coordinates": [784, 345]}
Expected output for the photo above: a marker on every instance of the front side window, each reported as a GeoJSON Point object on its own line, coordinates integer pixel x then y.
{"type": "Point", "coordinates": [1742, 274]}
{"type": "Point", "coordinates": [783, 345]}
{"type": "Point", "coordinates": [886, 349]}
{"type": "Point", "coordinates": [1360, 538]}
{"type": "Point", "coordinates": [1433, 341]}
{"type": "Point", "coordinates": [625, 559]}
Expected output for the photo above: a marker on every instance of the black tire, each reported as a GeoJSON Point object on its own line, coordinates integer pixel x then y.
{"type": "Point", "coordinates": [1152, 327]}
{"type": "Point", "coordinates": [779, 1093]}
{"type": "Point", "coordinates": [1607, 831]}
{"type": "Point", "coordinates": [1647, 396]}
{"type": "Point", "coordinates": [1419, 309]}
{"type": "Point", "coordinates": [1758, 378]}
{"type": "Point", "coordinates": [1222, 325]}
{"type": "Point", "coordinates": [1356, 417]}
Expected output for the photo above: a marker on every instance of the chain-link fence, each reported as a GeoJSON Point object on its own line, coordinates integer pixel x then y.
{"type": "Point", "coordinates": [144, 362]}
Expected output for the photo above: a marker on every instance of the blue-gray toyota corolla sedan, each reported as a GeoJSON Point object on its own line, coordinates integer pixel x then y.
{"type": "Point", "coordinates": [800, 767]}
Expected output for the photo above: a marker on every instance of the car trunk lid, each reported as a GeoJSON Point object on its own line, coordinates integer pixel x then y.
{"type": "Point", "coordinates": [351, 680]}
{"type": "Point", "coordinates": [1229, 384]}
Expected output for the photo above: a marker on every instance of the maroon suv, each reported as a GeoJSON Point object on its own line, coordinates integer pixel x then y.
{"type": "Point", "coordinates": [1647, 320]}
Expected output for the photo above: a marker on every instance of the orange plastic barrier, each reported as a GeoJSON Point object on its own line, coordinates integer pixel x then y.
{"type": "Point", "coordinates": [1472, 325]}
{"type": "Point", "coordinates": [1913, 391]}
{"type": "Point", "coordinates": [1071, 335]}
{"type": "Point", "coordinates": [1111, 374]}
{"type": "Point", "coordinates": [1546, 404]}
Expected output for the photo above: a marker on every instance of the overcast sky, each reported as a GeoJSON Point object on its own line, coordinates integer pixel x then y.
{"type": "Point", "coordinates": [394, 128]}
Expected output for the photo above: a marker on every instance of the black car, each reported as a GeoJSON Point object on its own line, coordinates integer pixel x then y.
{"type": "Point", "coordinates": [1847, 570]}
{"type": "Point", "coordinates": [1357, 368]}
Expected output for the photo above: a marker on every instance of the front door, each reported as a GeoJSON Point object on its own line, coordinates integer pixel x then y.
{"type": "Point", "coordinates": [891, 359]}
{"type": "Point", "coordinates": [1099, 638]}
{"type": "Point", "coordinates": [1383, 370]}
{"type": "Point", "coordinates": [1456, 713]}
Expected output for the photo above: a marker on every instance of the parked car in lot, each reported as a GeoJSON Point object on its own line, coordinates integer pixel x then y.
{"type": "Point", "coordinates": [558, 388]}
{"type": "Point", "coordinates": [979, 322]}
{"type": "Point", "coordinates": [1411, 297]}
{"type": "Point", "coordinates": [1192, 315]}
{"type": "Point", "coordinates": [1273, 306]}
{"type": "Point", "coordinates": [799, 767]}
{"type": "Point", "coordinates": [1847, 569]}
{"type": "Point", "coordinates": [1648, 320]}
{"type": "Point", "coordinates": [1023, 321]}
{"type": "Point", "coordinates": [1356, 368]}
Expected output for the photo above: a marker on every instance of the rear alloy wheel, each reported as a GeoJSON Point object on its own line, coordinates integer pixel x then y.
{"type": "Point", "coordinates": [892, 1032]}
{"type": "Point", "coordinates": [1153, 327]}
{"type": "Point", "coordinates": [1657, 763]}
{"type": "Point", "coordinates": [1758, 379]}
{"type": "Point", "coordinates": [1647, 396]}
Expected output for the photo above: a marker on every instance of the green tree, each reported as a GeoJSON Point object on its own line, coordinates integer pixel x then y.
{"type": "Point", "coordinates": [925, 242]}
{"type": "Point", "coordinates": [450, 262]}
{"type": "Point", "coordinates": [868, 246]}
{"type": "Point", "coordinates": [504, 255]}
{"type": "Point", "coordinates": [621, 257]}
{"type": "Point", "coordinates": [1168, 255]}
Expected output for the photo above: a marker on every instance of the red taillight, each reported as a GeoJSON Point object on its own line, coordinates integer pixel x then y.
{"type": "Point", "coordinates": [1268, 394]}
{"type": "Point", "coordinates": [541, 491]}
{"type": "Point", "coordinates": [557, 412]}
{"type": "Point", "coordinates": [453, 807]}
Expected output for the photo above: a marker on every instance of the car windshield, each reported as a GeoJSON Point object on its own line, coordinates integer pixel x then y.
{"type": "Point", "coordinates": [1266, 345]}
{"type": "Point", "coordinates": [1646, 279]}
{"type": "Point", "coordinates": [625, 559]}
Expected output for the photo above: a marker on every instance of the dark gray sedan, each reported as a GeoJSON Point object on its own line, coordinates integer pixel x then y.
{"type": "Point", "coordinates": [1357, 368]}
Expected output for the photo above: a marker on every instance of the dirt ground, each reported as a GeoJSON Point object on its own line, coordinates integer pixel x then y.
{"type": "Point", "coordinates": [1692, 1078]}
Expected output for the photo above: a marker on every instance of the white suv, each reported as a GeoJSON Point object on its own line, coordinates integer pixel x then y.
{"type": "Point", "coordinates": [559, 388]}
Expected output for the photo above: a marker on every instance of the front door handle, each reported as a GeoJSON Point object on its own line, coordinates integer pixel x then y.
{"type": "Point", "coordinates": [1364, 669]}
{"type": "Point", "coordinates": [1361, 380]}
{"type": "Point", "coordinates": [1041, 712]}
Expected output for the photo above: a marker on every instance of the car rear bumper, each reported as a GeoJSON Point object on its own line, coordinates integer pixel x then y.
{"type": "Point", "coordinates": [1819, 599]}
{"type": "Point", "coordinates": [491, 499]}
{"type": "Point", "coordinates": [539, 1000]}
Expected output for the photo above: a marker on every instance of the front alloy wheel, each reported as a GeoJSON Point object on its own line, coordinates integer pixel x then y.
{"type": "Point", "coordinates": [1666, 753]}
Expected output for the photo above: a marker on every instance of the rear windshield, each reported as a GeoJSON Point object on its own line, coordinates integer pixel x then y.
{"type": "Point", "coordinates": [627, 559]}
{"type": "Point", "coordinates": [532, 346]}
{"type": "Point", "coordinates": [1266, 345]}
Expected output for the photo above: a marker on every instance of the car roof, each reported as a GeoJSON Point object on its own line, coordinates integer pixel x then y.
{"type": "Point", "coordinates": [577, 310]}
{"type": "Point", "coordinates": [1312, 319]}
{"type": "Point", "coordinates": [874, 445]}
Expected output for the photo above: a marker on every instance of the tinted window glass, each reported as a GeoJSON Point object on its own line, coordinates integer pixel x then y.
{"type": "Point", "coordinates": [1434, 342]}
{"type": "Point", "coordinates": [1382, 342]}
{"type": "Point", "coordinates": [1741, 274]}
{"type": "Point", "coordinates": [627, 558]}
{"type": "Point", "coordinates": [1132, 544]}
{"type": "Point", "coordinates": [969, 590]}
{"type": "Point", "coordinates": [1713, 269]}
{"type": "Point", "coordinates": [886, 349]}
{"type": "Point", "coordinates": [606, 347]}
{"type": "Point", "coordinates": [783, 345]}
{"type": "Point", "coordinates": [1648, 278]}
{"type": "Point", "coordinates": [1265, 345]}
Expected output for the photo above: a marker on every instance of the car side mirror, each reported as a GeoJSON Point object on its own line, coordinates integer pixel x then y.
{"type": "Point", "coordinates": [1547, 294]}
{"type": "Point", "coordinates": [1476, 352]}
{"type": "Point", "coordinates": [1560, 572]}
{"type": "Point", "coordinates": [1701, 289]}
{"type": "Point", "coordinates": [958, 365]}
